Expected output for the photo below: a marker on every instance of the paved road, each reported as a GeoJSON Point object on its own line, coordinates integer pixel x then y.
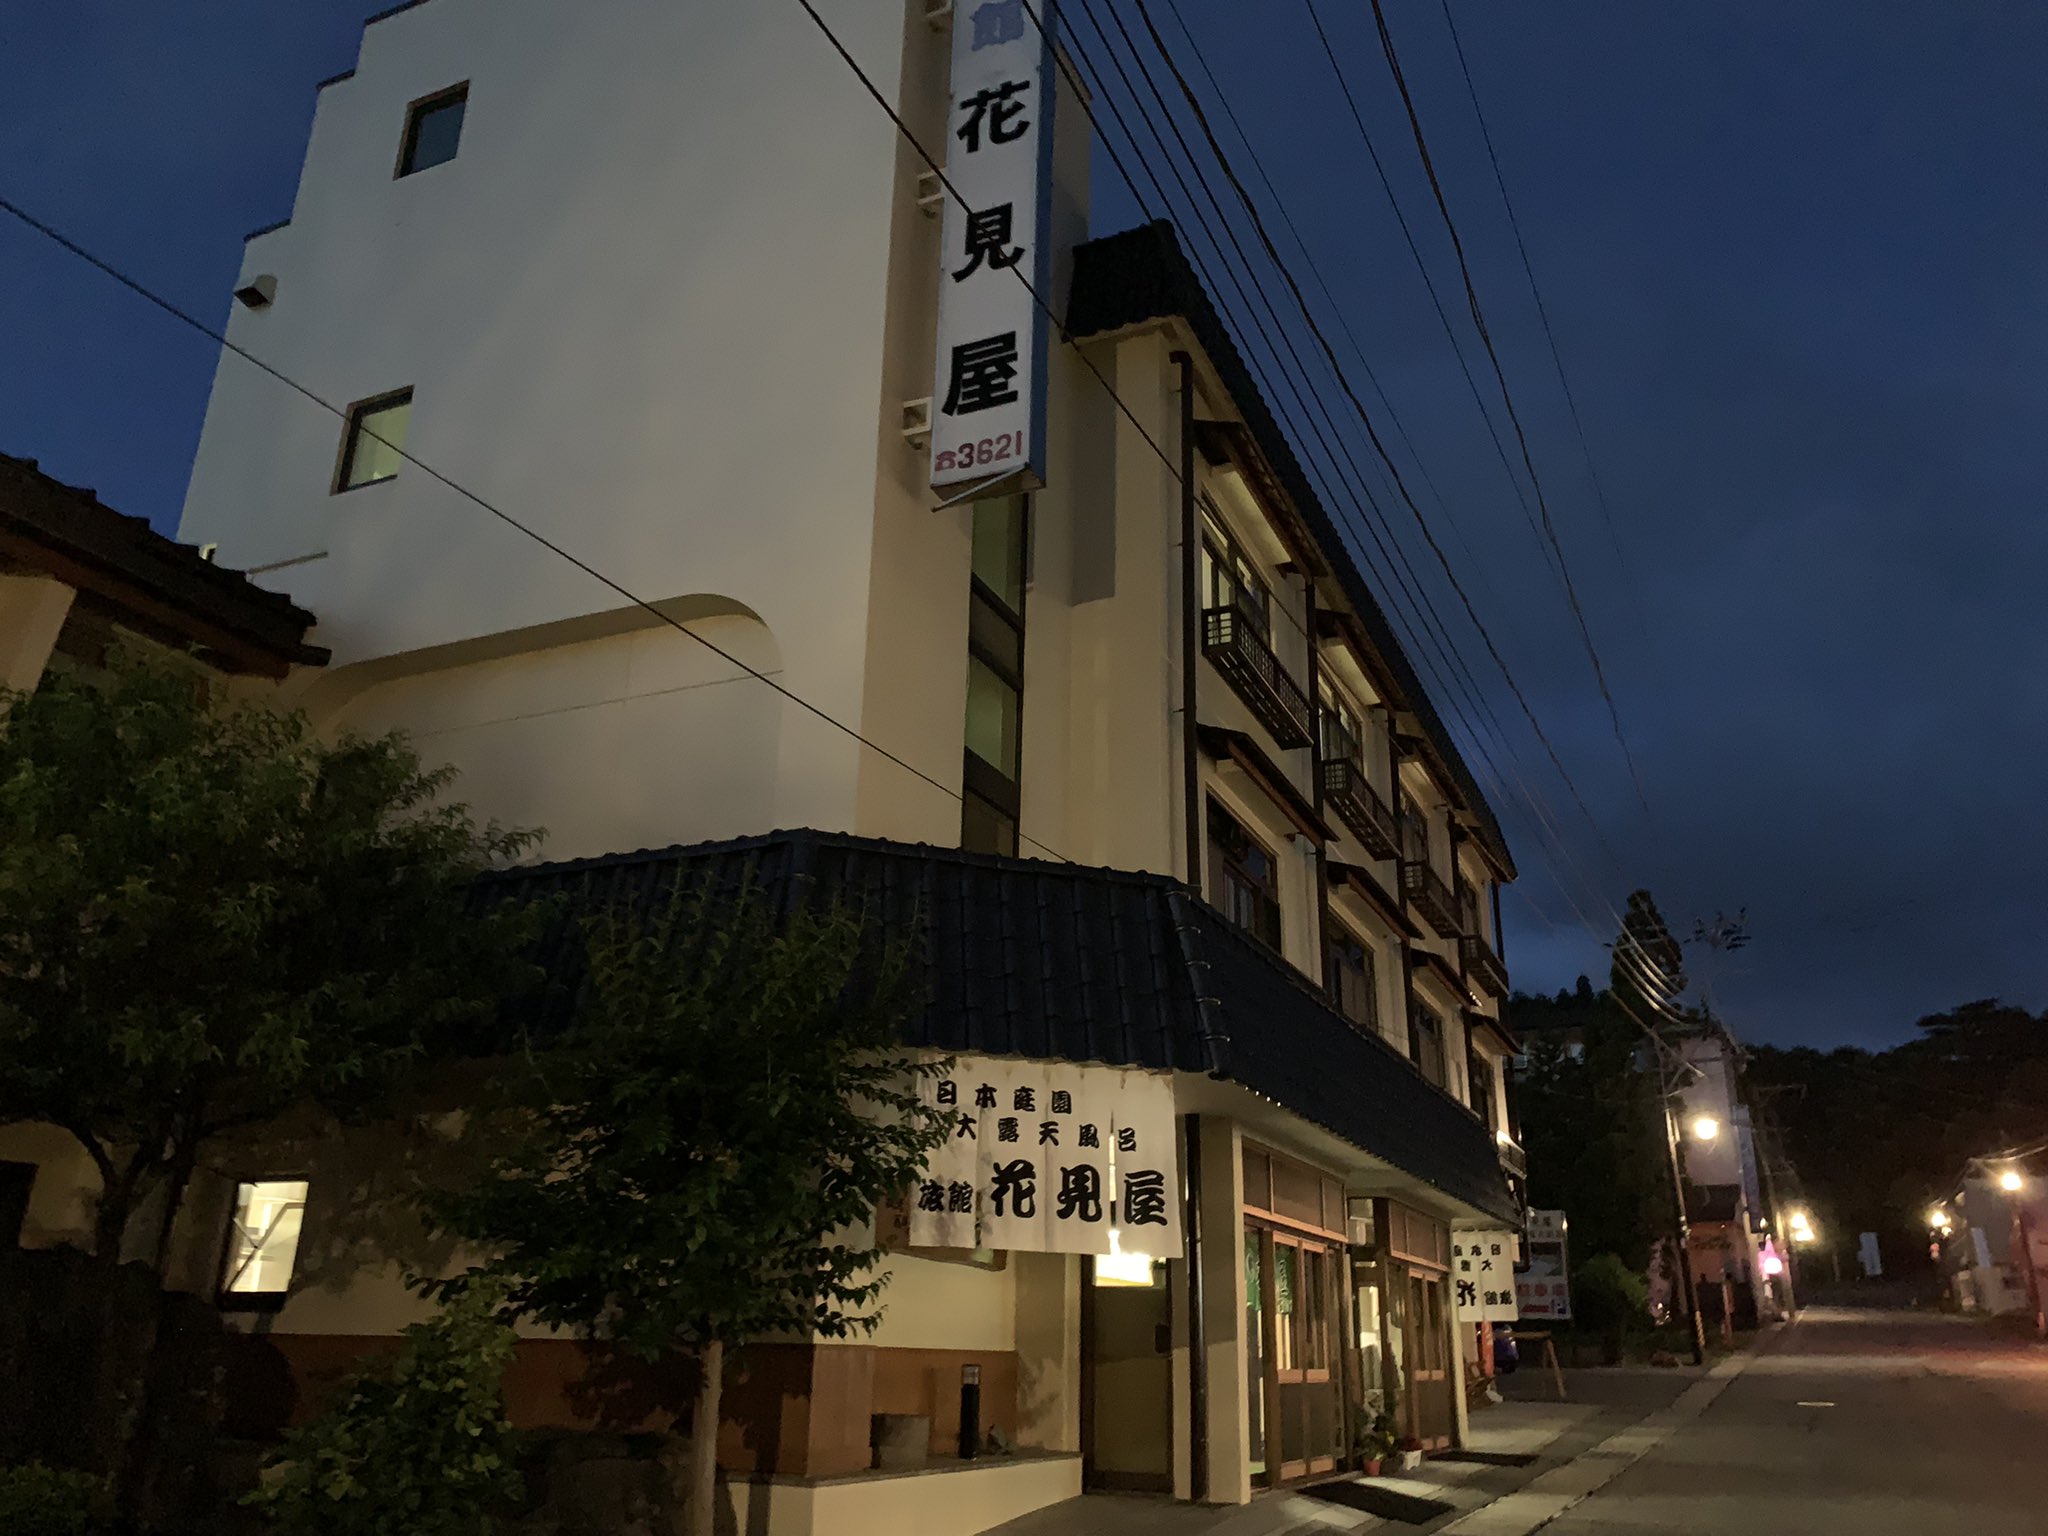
{"type": "Point", "coordinates": [1852, 1423]}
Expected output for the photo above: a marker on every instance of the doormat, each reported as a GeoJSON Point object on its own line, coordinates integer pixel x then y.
{"type": "Point", "coordinates": [1376, 1499]}
{"type": "Point", "coordinates": [1488, 1458]}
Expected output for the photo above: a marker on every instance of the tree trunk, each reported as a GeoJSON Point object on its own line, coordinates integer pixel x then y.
{"type": "Point", "coordinates": [692, 1469]}
{"type": "Point", "coordinates": [704, 1439]}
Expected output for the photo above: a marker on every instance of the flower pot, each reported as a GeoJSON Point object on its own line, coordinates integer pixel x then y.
{"type": "Point", "coordinates": [1372, 1464]}
{"type": "Point", "coordinates": [1408, 1461]}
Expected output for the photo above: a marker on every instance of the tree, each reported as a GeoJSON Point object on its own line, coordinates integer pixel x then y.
{"type": "Point", "coordinates": [698, 1161]}
{"type": "Point", "coordinates": [1591, 1123]}
{"type": "Point", "coordinates": [415, 1444]}
{"type": "Point", "coordinates": [208, 917]}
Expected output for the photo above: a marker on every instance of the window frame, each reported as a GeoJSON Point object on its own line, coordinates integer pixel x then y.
{"type": "Point", "coordinates": [1422, 1059]}
{"type": "Point", "coordinates": [1265, 896]}
{"type": "Point", "coordinates": [1337, 935]}
{"type": "Point", "coordinates": [995, 790]}
{"type": "Point", "coordinates": [415, 111]}
{"type": "Point", "coordinates": [351, 434]}
{"type": "Point", "coordinates": [227, 1300]}
{"type": "Point", "coordinates": [1225, 564]}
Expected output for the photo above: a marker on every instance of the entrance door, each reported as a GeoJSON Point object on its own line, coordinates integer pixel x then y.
{"type": "Point", "coordinates": [1128, 1379]}
{"type": "Point", "coordinates": [1293, 1329]}
{"type": "Point", "coordinates": [1429, 1413]}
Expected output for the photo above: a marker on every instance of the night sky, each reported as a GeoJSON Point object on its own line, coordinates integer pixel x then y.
{"type": "Point", "coordinates": [1796, 257]}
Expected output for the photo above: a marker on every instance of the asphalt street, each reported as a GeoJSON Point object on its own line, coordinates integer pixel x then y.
{"type": "Point", "coordinates": [1863, 1422]}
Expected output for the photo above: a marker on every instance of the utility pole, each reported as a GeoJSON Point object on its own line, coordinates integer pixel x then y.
{"type": "Point", "coordinates": [1683, 1257]}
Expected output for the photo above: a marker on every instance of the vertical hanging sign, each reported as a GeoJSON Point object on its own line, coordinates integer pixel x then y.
{"type": "Point", "coordinates": [988, 395]}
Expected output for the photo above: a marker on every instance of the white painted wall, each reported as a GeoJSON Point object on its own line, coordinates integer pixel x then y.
{"type": "Point", "coordinates": [641, 311]}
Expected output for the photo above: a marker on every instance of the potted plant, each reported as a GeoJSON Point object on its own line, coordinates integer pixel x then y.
{"type": "Point", "coordinates": [1374, 1442]}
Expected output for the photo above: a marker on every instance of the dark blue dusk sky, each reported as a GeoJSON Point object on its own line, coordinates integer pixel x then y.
{"type": "Point", "coordinates": [1797, 260]}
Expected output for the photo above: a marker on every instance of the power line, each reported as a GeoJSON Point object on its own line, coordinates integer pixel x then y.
{"type": "Point", "coordinates": [1365, 418]}
{"type": "Point", "coordinates": [1507, 396]}
{"type": "Point", "coordinates": [220, 338]}
{"type": "Point", "coordinates": [1545, 820]}
{"type": "Point", "coordinates": [1543, 314]}
{"type": "Point", "coordinates": [1483, 712]}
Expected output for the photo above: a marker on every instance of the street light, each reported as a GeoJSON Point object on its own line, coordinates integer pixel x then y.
{"type": "Point", "coordinates": [1705, 1128]}
{"type": "Point", "coordinates": [2011, 1182]}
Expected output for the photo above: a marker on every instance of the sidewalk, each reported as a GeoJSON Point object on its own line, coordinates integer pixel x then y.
{"type": "Point", "coordinates": [1603, 1410]}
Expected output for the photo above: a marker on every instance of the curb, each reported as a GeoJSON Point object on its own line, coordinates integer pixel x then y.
{"type": "Point", "coordinates": [1550, 1493]}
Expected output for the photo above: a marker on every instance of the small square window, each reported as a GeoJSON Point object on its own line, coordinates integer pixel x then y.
{"type": "Point", "coordinates": [433, 130]}
{"type": "Point", "coordinates": [263, 1240]}
{"type": "Point", "coordinates": [372, 448]}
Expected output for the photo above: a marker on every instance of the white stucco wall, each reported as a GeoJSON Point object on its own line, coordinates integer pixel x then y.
{"type": "Point", "coordinates": [641, 310]}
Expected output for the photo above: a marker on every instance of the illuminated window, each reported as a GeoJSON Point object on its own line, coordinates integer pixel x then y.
{"type": "Point", "coordinates": [263, 1238]}
{"type": "Point", "coordinates": [372, 448]}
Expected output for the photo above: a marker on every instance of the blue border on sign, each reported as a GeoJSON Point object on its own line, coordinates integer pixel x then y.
{"type": "Point", "coordinates": [1041, 256]}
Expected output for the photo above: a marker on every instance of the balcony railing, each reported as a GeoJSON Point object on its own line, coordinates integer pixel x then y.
{"type": "Point", "coordinates": [1512, 1157]}
{"type": "Point", "coordinates": [1346, 791]}
{"type": "Point", "coordinates": [1232, 640]}
{"type": "Point", "coordinates": [1482, 964]}
{"type": "Point", "coordinates": [1430, 897]}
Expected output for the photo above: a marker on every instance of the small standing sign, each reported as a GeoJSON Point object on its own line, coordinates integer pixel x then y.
{"type": "Point", "coordinates": [1483, 1276]}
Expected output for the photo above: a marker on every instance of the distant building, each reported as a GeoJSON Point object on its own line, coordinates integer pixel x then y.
{"type": "Point", "coordinates": [1990, 1229]}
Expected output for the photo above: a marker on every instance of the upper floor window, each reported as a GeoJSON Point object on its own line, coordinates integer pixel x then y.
{"type": "Point", "coordinates": [372, 444]}
{"type": "Point", "coordinates": [1244, 879]}
{"type": "Point", "coordinates": [1230, 580]}
{"type": "Point", "coordinates": [1429, 1045]}
{"type": "Point", "coordinates": [1343, 730]}
{"type": "Point", "coordinates": [1351, 977]}
{"type": "Point", "coordinates": [263, 1240]}
{"type": "Point", "coordinates": [990, 781]}
{"type": "Point", "coordinates": [433, 129]}
{"type": "Point", "coordinates": [1479, 1074]}
{"type": "Point", "coordinates": [1414, 833]}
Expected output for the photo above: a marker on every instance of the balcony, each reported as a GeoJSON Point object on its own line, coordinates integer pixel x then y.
{"type": "Point", "coordinates": [1513, 1159]}
{"type": "Point", "coordinates": [1231, 639]}
{"type": "Point", "coordinates": [1431, 898]}
{"type": "Point", "coordinates": [1482, 964]}
{"type": "Point", "coordinates": [1346, 791]}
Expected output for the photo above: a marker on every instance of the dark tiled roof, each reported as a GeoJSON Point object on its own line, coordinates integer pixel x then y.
{"type": "Point", "coordinates": [1141, 275]}
{"type": "Point", "coordinates": [1030, 958]}
{"type": "Point", "coordinates": [151, 584]}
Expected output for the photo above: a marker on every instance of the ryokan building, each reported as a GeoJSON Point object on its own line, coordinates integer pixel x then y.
{"type": "Point", "coordinates": [663, 284]}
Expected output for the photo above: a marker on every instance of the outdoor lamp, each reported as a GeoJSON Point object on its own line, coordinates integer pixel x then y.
{"type": "Point", "coordinates": [1705, 1127]}
{"type": "Point", "coordinates": [2011, 1182]}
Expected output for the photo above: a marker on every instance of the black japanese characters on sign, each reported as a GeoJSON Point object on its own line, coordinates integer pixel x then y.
{"type": "Point", "coordinates": [1483, 1268]}
{"type": "Point", "coordinates": [993, 330]}
{"type": "Point", "coordinates": [1145, 1197]}
{"type": "Point", "coordinates": [1086, 1179]}
{"type": "Point", "coordinates": [983, 375]}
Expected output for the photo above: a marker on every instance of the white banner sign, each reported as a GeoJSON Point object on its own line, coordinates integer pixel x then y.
{"type": "Point", "coordinates": [1542, 1286]}
{"type": "Point", "coordinates": [1483, 1274]}
{"type": "Point", "coordinates": [1050, 1157]}
{"type": "Point", "coordinates": [988, 397]}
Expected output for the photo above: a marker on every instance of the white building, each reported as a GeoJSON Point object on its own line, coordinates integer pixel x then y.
{"type": "Point", "coordinates": [659, 282]}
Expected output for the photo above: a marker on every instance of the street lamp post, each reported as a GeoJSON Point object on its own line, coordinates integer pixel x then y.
{"type": "Point", "coordinates": [1683, 1257]}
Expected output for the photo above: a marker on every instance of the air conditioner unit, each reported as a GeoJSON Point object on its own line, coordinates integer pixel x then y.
{"type": "Point", "coordinates": [917, 423]}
